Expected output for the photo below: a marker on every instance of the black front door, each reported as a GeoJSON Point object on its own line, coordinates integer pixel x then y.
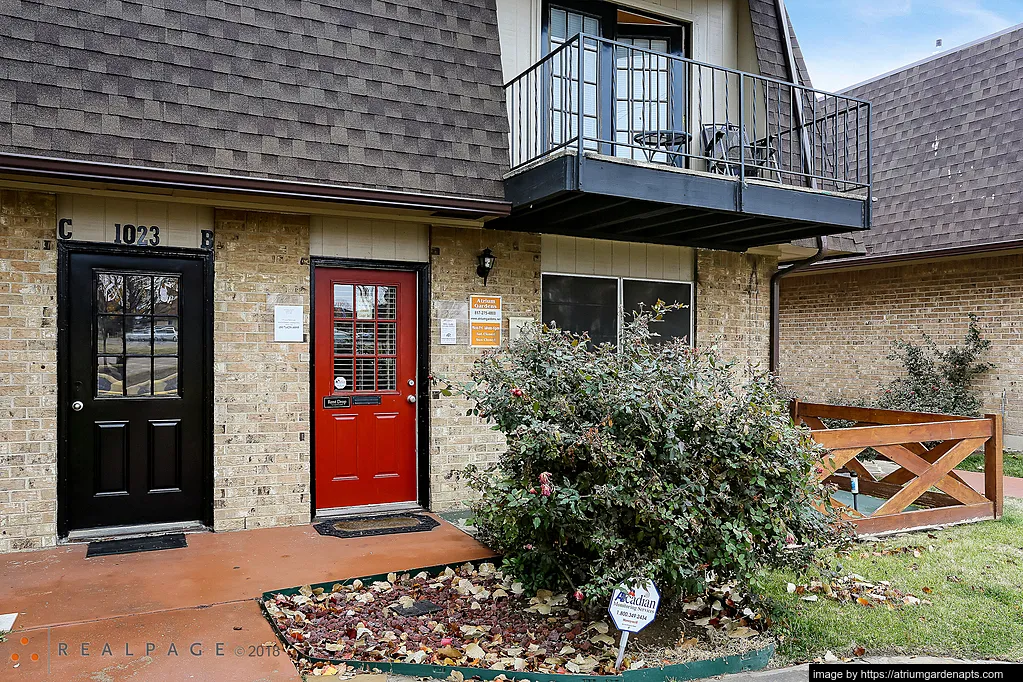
{"type": "Point", "coordinates": [134, 390]}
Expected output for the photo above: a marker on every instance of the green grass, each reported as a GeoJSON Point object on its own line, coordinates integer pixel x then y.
{"type": "Point", "coordinates": [1012, 463]}
{"type": "Point", "coordinates": [978, 616]}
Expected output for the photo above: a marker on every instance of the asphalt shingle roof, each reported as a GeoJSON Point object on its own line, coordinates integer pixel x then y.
{"type": "Point", "coordinates": [770, 46]}
{"type": "Point", "coordinates": [947, 154]}
{"type": "Point", "coordinates": [389, 94]}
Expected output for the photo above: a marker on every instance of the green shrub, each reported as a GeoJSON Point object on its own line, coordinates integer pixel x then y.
{"type": "Point", "coordinates": [649, 460]}
{"type": "Point", "coordinates": [935, 379]}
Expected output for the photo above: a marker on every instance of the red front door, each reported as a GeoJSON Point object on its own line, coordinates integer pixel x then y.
{"type": "Point", "coordinates": [365, 447]}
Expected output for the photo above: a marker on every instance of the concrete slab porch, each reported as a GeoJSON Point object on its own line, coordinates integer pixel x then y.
{"type": "Point", "coordinates": [199, 599]}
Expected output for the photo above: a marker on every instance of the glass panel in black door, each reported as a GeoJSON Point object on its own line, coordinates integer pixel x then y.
{"type": "Point", "coordinates": [135, 390]}
{"type": "Point", "coordinates": [137, 346]}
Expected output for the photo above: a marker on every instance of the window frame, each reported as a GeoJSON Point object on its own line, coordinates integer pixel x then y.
{"type": "Point", "coordinates": [621, 279]}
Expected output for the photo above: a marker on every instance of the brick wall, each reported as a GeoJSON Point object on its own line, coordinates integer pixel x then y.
{"type": "Point", "coordinates": [733, 304]}
{"type": "Point", "coordinates": [261, 414]}
{"type": "Point", "coordinates": [837, 328]}
{"type": "Point", "coordinates": [457, 439]}
{"type": "Point", "coordinates": [28, 371]}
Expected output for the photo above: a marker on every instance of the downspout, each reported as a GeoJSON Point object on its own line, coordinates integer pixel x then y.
{"type": "Point", "coordinates": [822, 252]}
{"type": "Point", "coordinates": [822, 241]}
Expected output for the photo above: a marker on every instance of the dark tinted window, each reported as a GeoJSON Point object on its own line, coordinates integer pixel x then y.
{"type": "Point", "coordinates": [676, 324]}
{"type": "Point", "coordinates": [582, 304]}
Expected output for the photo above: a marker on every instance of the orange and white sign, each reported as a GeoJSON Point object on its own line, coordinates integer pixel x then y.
{"type": "Point", "coordinates": [485, 321]}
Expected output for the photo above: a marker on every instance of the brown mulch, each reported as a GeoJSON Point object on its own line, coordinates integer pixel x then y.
{"type": "Point", "coordinates": [486, 620]}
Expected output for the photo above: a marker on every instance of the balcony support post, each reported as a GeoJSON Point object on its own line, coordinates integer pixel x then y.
{"type": "Point", "coordinates": [579, 97]}
{"type": "Point", "coordinates": [742, 147]}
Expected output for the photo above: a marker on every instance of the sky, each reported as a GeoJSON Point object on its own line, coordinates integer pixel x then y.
{"type": "Point", "coordinates": [846, 42]}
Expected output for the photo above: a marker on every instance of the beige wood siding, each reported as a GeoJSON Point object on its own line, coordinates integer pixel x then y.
{"type": "Point", "coordinates": [93, 218]}
{"type": "Point", "coordinates": [518, 24]}
{"type": "Point", "coordinates": [577, 256]}
{"type": "Point", "coordinates": [368, 239]}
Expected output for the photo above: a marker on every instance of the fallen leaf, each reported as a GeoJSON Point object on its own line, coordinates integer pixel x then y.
{"type": "Point", "coordinates": [449, 652]}
{"type": "Point", "coordinates": [741, 633]}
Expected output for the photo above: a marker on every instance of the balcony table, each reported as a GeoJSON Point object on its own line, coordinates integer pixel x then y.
{"type": "Point", "coordinates": [673, 143]}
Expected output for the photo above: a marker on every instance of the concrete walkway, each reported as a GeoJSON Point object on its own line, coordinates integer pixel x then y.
{"type": "Point", "coordinates": [1012, 486]}
{"type": "Point", "coordinates": [185, 614]}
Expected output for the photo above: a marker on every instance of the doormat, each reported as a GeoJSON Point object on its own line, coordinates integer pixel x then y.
{"type": "Point", "coordinates": [365, 526]}
{"type": "Point", "coordinates": [133, 545]}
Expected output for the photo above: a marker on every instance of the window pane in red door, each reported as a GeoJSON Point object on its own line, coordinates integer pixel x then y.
{"type": "Point", "coordinates": [344, 301]}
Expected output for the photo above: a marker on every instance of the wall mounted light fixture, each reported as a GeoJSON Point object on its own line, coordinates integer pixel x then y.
{"type": "Point", "coordinates": [486, 264]}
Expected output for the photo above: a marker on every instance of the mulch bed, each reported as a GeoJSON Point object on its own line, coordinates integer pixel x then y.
{"type": "Point", "coordinates": [479, 617]}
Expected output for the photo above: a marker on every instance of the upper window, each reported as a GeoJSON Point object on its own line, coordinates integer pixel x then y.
{"type": "Point", "coordinates": [600, 306]}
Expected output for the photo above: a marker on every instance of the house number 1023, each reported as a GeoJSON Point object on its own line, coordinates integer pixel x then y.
{"type": "Point", "coordinates": [137, 235]}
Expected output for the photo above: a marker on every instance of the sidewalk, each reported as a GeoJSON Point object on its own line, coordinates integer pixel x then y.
{"type": "Point", "coordinates": [185, 613]}
{"type": "Point", "coordinates": [1012, 486]}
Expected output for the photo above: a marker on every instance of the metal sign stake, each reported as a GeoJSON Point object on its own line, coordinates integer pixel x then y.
{"type": "Point", "coordinates": [621, 649]}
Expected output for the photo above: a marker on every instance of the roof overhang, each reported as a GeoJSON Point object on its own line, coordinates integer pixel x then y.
{"type": "Point", "coordinates": [72, 169]}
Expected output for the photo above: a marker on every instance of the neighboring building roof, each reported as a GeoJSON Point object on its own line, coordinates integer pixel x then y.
{"type": "Point", "coordinates": [401, 95]}
{"type": "Point", "coordinates": [770, 43]}
{"type": "Point", "coordinates": [947, 161]}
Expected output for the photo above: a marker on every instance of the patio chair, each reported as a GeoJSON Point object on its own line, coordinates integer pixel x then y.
{"type": "Point", "coordinates": [722, 145]}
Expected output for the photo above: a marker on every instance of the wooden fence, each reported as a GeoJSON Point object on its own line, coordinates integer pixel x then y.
{"type": "Point", "coordinates": [926, 448]}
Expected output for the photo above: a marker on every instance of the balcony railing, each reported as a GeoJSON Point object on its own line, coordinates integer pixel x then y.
{"type": "Point", "coordinates": [597, 96]}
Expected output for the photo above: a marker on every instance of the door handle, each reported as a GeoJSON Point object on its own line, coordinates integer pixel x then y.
{"type": "Point", "coordinates": [77, 405]}
{"type": "Point", "coordinates": [411, 399]}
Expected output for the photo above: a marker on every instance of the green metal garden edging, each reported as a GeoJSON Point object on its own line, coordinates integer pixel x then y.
{"type": "Point", "coordinates": [754, 660]}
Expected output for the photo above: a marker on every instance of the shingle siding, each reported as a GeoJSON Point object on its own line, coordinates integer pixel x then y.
{"type": "Point", "coordinates": [399, 95]}
{"type": "Point", "coordinates": [947, 163]}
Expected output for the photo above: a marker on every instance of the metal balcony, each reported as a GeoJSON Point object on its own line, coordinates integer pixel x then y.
{"type": "Point", "coordinates": [614, 141]}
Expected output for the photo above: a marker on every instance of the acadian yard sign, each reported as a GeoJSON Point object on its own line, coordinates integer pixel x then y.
{"type": "Point", "coordinates": [632, 610]}
{"type": "Point", "coordinates": [485, 321]}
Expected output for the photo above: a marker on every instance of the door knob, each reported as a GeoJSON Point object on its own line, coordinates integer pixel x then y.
{"type": "Point", "coordinates": [411, 399]}
{"type": "Point", "coordinates": [77, 405]}
{"type": "Point", "coordinates": [411, 382]}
